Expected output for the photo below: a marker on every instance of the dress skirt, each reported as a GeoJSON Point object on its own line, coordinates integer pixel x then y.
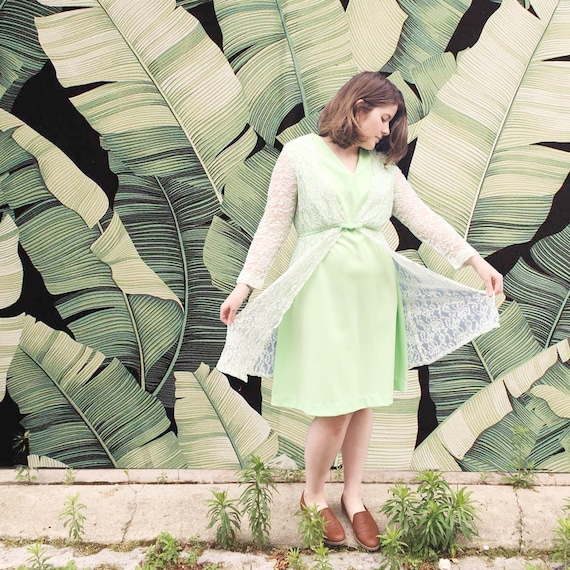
{"type": "Point", "coordinates": [341, 346]}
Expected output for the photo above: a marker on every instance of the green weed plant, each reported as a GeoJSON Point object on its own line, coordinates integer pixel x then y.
{"type": "Point", "coordinates": [290, 475]}
{"type": "Point", "coordinates": [72, 516]}
{"type": "Point", "coordinates": [39, 560]}
{"type": "Point", "coordinates": [424, 524]}
{"type": "Point", "coordinates": [25, 474]}
{"type": "Point", "coordinates": [561, 552]}
{"type": "Point", "coordinates": [295, 561]}
{"type": "Point", "coordinates": [256, 499]}
{"type": "Point", "coordinates": [524, 472]}
{"type": "Point", "coordinates": [192, 553]}
{"type": "Point", "coordinates": [163, 554]}
{"type": "Point", "coordinates": [162, 478]}
{"type": "Point", "coordinates": [311, 526]}
{"type": "Point", "coordinates": [393, 549]}
{"type": "Point", "coordinates": [226, 514]}
{"type": "Point", "coordinates": [321, 558]}
{"type": "Point", "coordinates": [69, 477]}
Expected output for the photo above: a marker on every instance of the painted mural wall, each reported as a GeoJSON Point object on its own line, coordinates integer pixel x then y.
{"type": "Point", "coordinates": [137, 138]}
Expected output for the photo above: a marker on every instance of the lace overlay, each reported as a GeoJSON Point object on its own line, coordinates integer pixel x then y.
{"type": "Point", "coordinates": [427, 225]}
{"type": "Point", "coordinates": [440, 314]}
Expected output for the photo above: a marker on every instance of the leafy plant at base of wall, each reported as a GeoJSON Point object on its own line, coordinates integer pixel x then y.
{"type": "Point", "coordinates": [321, 558]}
{"type": "Point", "coordinates": [561, 552]}
{"type": "Point", "coordinates": [290, 475]}
{"type": "Point", "coordinates": [24, 474]}
{"type": "Point", "coordinates": [294, 560]}
{"type": "Point", "coordinates": [524, 475]}
{"type": "Point", "coordinates": [339, 473]}
{"type": "Point", "coordinates": [69, 477]}
{"type": "Point", "coordinates": [226, 514]}
{"type": "Point", "coordinates": [163, 554]}
{"type": "Point", "coordinates": [393, 549]}
{"type": "Point", "coordinates": [431, 518]}
{"type": "Point", "coordinates": [311, 526]}
{"type": "Point", "coordinates": [256, 498]}
{"type": "Point", "coordinates": [72, 516]}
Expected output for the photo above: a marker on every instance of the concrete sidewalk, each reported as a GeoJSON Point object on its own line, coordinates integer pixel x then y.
{"type": "Point", "coordinates": [134, 506]}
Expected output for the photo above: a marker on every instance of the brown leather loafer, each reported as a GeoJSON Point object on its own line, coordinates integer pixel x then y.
{"type": "Point", "coordinates": [334, 533]}
{"type": "Point", "coordinates": [365, 529]}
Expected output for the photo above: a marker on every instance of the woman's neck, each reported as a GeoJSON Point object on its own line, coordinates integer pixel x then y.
{"type": "Point", "coordinates": [348, 156]}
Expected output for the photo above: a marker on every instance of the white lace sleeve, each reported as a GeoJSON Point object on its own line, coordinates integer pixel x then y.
{"type": "Point", "coordinates": [428, 226]}
{"type": "Point", "coordinates": [275, 223]}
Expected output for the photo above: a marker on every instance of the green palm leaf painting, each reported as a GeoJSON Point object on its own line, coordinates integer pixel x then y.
{"type": "Point", "coordinates": [374, 33]}
{"type": "Point", "coordinates": [426, 31]}
{"type": "Point", "coordinates": [192, 133]}
{"type": "Point", "coordinates": [543, 291]}
{"type": "Point", "coordinates": [155, 96]}
{"type": "Point", "coordinates": [11, 277]}
{"type": "Point", "coordinates": [84, 411]}
{"type": "Point", "coordinates": [216, 426]}
{"type": "Point", "coordinates": [10, 332]}
{"type": "Point", "coordinates": [20, 54]}
{"type": "Point", "coordinates": [294, 54]}
{"type": "Point", "coordinates": [491, 151]}
{"type": "Point", "coordinates": [159, 122]}
{"type": "Point", "coordinates": [11, 270]}
{"type": "Point", "coordinates": [454, 438]}
{"type": "Point", "coordinates": [189, 4]}
{"type": "Point", "coordinates": [84, 254]}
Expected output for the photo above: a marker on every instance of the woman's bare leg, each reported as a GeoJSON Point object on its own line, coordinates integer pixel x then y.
{"type": "Point", "coordinates": [354, 451]}
{"type": "Point", "coordinates": [324, 440]}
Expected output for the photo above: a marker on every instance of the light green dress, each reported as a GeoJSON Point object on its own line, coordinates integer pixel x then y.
{"type": "Point", "coordinates": [341, 346]}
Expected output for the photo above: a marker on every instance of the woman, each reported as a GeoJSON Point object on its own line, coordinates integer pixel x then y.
{"type": "Point", "coordinates": [339, 329]}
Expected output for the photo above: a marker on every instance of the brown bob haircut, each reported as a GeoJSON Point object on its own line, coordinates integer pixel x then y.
{"type": "Point", "coordinates": [364, 92]}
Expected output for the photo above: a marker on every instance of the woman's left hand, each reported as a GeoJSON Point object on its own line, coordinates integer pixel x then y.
{"type": "Point", "coordinates": [492, 278]}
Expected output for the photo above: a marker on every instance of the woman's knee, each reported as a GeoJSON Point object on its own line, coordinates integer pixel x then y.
{"type": "Point", "coordinates": [337, 425]}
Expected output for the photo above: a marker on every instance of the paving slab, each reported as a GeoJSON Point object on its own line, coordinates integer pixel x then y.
{"type": "Point", "coordinates": [31, 511]}
{"type": "Point", "coordinates": [14, 557]}
{"type": "Point", "coordinates": [540, 509]}
{"type": "Point", "coordinates": [499, 517]}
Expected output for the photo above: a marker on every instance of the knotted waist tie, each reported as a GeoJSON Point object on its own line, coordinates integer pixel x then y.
{"type": "Point", "coordinates": [345, 227]}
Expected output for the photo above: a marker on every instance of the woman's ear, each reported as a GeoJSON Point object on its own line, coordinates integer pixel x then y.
{"type": "Point", "coordinates": [358, 109]}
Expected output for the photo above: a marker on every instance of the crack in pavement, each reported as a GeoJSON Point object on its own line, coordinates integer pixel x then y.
{"type": "Point", "coordinates": [520, 521]}
{"type": "Point", "coordinates": [134, 511]}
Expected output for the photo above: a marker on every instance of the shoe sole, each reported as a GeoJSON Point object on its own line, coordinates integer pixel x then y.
{"type": "Point", "coordinates": [329, 543]}
{"type": "Point", "coordinates": [370, 549]}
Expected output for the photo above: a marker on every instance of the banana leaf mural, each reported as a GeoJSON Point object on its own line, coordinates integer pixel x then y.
{"type": "Point", "coordinates": [192, 130]}
{"type": "Point", "coordinates": [20, 53]}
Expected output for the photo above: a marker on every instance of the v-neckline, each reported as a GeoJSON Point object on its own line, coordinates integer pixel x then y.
{"type": "Point", "coordinates": [340, 162]}
{"type": "Point", "coordinates": [341, 212]}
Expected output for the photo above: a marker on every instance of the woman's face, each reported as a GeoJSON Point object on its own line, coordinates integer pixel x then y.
{"type": "Point", "coordinates": [375, 124]}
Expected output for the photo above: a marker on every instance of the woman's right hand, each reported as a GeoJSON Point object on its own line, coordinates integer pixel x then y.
{"type": "Point", "coordinates": [233, 302]}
